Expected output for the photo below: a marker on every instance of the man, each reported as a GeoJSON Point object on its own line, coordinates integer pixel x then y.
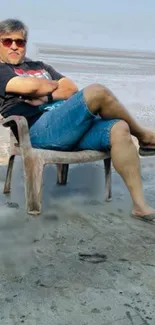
{"type": "Point", "coordinates": [91, 118]}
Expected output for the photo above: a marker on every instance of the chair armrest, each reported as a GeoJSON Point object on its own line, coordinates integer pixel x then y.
{"type": "Point", "coordinates": [22, 128]}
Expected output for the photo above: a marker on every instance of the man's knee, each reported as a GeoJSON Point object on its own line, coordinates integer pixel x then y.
{"type": "Point", "coordinates": [120, 132]}
{"type": "Point", "coordinates": [94, 89]}
{"type": "Point", "coordinates": [93, 95]}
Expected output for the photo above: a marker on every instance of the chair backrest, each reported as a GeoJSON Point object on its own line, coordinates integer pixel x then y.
{"type": "Point", "coordinates": [13, 140]}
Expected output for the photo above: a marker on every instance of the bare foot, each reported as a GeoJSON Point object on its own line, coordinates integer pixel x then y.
{"type": "Point", "coordinates": [141, 212]}
{"type": "Point", "coordinates": [149, 217]}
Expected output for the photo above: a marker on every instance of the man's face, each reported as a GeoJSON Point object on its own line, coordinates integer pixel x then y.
{"type": "Point", "coordinates": [12, 48]}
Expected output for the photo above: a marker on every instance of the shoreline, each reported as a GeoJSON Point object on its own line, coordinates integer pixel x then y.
{"type": "Point", "coordinates": [92, 51]}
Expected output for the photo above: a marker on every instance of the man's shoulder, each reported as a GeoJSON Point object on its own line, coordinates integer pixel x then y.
{"type": "Point", "coordinates": [37, 62]}
{"type": "Point", "coordinates": [4, 67]}
{"type": "Point", "coordinates": [29, 61]}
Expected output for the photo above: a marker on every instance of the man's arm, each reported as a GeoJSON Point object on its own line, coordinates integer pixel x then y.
{"type": "Point", "coordinates": [36, 87]}
{"type": "Point", "coordinates": [66, 88]}
{"type": "Point", "coordinates": [30, 86]}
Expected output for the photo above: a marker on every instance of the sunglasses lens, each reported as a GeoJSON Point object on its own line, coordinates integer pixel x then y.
{"type": "Point", "coordinates": [20, 42]}
{"type": "Point", "coordinates": [7, 42]}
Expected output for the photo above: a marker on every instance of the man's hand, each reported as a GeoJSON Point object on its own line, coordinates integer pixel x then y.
{"type": "Point", "coordinates": [37, 101]}
{"type": "Point", "coordinates": [66, 88]}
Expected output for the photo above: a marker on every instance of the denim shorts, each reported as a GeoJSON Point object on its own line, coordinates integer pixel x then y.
{"type": "Point", "coordinates": [70, 125]}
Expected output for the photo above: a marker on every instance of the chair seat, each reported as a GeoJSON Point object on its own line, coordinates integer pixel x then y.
{"type": "Point", "coordinates": [67, 157]}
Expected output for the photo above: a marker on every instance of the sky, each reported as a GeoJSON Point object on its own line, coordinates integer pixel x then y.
{"type": "Point", "coordinates": [113, 24]}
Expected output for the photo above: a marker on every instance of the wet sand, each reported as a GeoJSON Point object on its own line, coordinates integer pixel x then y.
{"type": "Point", "coordinates": [82, 261]}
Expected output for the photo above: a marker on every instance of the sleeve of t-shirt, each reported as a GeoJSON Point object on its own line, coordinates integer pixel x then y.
{"type": "Point", "coordinates": [6, 73]}
{"type": "Point", "coordinates": [55, 75]}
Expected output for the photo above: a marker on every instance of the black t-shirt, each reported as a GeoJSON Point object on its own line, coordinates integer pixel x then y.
{"type": "Point", "coordinates": [13, 104]}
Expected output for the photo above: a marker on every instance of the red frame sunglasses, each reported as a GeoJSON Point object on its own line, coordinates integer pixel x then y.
{"type": "Point", "coordinates": [7, 42]}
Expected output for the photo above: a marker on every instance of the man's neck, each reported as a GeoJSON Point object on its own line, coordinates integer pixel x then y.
{"type": "Point", "coordinates": [1, 61]}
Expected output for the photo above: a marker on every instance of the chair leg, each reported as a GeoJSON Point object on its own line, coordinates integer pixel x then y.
{"type": "Point", "coordinates": [7, 184]}
{"type": "Point", "coordinates": [62, 173]}
{"type": "Point", "coordinates": [107, 166]}
{"type": "Point", "coordinates": [33, 170]}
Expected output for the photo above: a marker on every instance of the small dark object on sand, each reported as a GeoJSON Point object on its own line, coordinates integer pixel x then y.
{"type": "Point", "coordinates": [12, 205]}
{"type": "Point", "coordinates": [93, 258]}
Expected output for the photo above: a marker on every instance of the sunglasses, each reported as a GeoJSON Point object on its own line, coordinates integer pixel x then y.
{"type": "Point", "coordinates": [7, 42]}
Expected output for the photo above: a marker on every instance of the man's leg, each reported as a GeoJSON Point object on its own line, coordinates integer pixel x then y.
{"type": "Point", "coordinates": [101, 100]}
{"type": "Point", "coordinates": [116, 134]}
{"type": "Point", "coordinates": [126, 162]}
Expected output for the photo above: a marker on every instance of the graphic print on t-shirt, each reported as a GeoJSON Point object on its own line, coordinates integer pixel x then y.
{"type": "Point", "coordinates": [42, 73]}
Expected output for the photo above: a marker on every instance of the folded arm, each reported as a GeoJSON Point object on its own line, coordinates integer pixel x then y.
{"type": "Point", "coordinates": [34, 88]}
{"type": "Point", "coordinates": [66, 88]}
{"type": "Point", "coordinates": [30, 87]}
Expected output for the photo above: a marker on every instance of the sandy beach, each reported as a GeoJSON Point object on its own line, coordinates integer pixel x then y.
{"type": "Point", "coordinates": [83, 260]}
{"type": "Point", "coordinates": [47, 277]}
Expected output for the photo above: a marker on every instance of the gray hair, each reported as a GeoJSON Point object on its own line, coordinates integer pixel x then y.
{"type": "Point", "coordinates": [13, 25]}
